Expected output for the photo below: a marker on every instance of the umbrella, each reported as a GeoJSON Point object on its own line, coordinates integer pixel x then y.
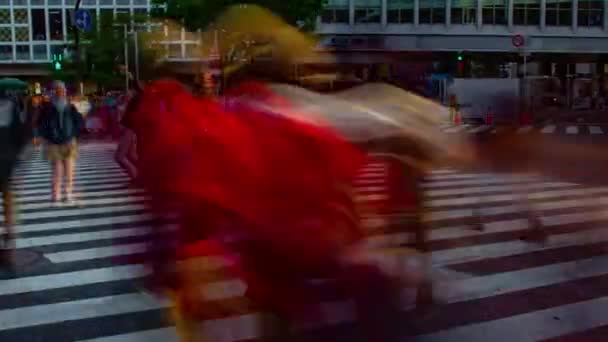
{"type": "Point", "coordinates": [12, 84]}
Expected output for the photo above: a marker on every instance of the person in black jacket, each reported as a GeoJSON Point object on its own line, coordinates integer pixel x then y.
{"type": "Point", "coordinates": [60, 127]}
{"type": "Point", "coordinates": [13, 137]}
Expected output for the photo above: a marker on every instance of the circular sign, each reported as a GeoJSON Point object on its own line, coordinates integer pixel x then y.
{"type": "Point", "coordinates": [518, 40]}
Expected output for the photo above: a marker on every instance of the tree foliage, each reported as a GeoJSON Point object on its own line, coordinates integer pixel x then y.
{"type": "Point", "coordinates": [102, 52]}
{"type": "Point", "coordinates": [199, 14]}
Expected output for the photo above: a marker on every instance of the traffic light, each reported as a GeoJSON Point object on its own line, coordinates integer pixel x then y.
{"type": "Point", "coordinates": [57, 61]}
{"type": "Point", "coordinates": [460, 64]}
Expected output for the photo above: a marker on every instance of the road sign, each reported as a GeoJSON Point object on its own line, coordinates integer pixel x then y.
{"type": "Point", "coordinates": [83, 20]}
{"type": "Point", "coordinates": [518, 40]}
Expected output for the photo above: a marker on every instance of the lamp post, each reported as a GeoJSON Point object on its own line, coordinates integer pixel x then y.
{"type": "Point", "coordinates": [126, 53]}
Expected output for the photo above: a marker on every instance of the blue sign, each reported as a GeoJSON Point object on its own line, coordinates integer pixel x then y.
{"type": "Point", "coordinates": [83, 20]}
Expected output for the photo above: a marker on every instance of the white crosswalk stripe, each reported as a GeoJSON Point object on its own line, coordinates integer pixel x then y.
{"type": "Point", "coordinates": [455, 129]}
{"type": "Point", "coordinates": [595, 130]}
{"type": "Point", "coordinates": [548, 129]}
{"type": "Point", "coordinates": [479, 129]}
{"type": "Point", "coordinates": [86, 289]}
{"type": "Point", "coordinates": [572, 130]}
{"type": "Point", "coordinates": [524, 129]}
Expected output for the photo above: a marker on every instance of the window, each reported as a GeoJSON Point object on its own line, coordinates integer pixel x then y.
{"type": "Point", "coordinates": [432, 12]}
{"type": "Point", "coordinates": [559, 13]}
{"type": "Point", "coordinates": [175, 51]}
{"type": "Point", "coordinates": [23, 52]}
{"type": "Point", "coordinates": [494, 12]}
{"type": "Point", "coordinates": [6, 52]}
{"type": "Point", "coordinates": [526, 12]}
{"type": "Point", "coordinates": [20, 16]}
{"type": "Point", "coordinates": [193, 51]}
{"type": "Point", "coordinates": [335, 11]}
{"type": "Point", "coordinates": [40, 52]}
{"type": "Point", "coordinates": [22, 34]}
{"type": "Point", "coordinates": [367, 11]}
{"type": "Point", "coordinates": [38, 24]}
{"type": "Point", "coordinates": [400, 11]}
{"type": "Point", "coordinates": [69, 23]}
{"type": "Point", "coordinates": [175, 32]}
{"type": "Point", "coordinates": [5, 16]}
{"type": "Point", "coordinates": [464, 12]}
{"type": "Point", "coordinates": [140, 14]}
{"type": "Point", "coordinates": [55, 24]}
{"type": "Point", "coordinates": [5, 34]}
{"type": "Point", "coordinates": [106, 16]}
{"type": "Point", "coordinates": [590, 12]}
{"type": "Point", "coordinates": [57, 49]}
{"type": "Point", "coordinates": [122, 15]}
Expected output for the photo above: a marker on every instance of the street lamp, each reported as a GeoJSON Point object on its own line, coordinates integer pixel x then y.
{"type": "Point", "coordinates": [126, 51]}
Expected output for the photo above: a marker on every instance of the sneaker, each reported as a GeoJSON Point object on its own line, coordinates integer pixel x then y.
{"type": "Point", "coordinates": [71, 201]}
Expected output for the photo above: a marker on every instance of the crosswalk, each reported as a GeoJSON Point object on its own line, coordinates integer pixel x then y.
{"type": "Point", "coordinates": [490, 283]}
{"type": "Point", "coordinates": [562, 129]}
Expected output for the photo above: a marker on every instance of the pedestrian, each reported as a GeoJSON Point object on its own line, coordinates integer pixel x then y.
{"type": "Point", "coordinates": [61, 124]}
{"type": "Point", "coordinates": [13, 137]}
{"type": "Point", "coordinates": [126, 152]}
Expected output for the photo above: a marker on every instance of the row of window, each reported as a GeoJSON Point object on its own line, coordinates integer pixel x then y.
{"type": "Point", "coordinates": [59, 22]}
{"type": "Point", "coordinates": [39, 52]}
{"type": "Point", "coordinates": [84, 3]}
{"type": "Point", "coordinates": [493, 12]}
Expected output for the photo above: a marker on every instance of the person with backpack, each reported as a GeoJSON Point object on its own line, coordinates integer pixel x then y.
{"type": "Point", "coordinates": [13, 138]}
{"type": "Point", "coordinates": [60, 127]}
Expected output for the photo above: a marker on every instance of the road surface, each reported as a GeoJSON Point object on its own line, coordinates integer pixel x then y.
{"type": "Point", "coordinates": [75, 283]}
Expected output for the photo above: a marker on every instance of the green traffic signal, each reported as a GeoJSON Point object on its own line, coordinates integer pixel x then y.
{"type": "Point", "coordinates": [459, 58]}
{"type": "Point", "coordinates": [57, 61]}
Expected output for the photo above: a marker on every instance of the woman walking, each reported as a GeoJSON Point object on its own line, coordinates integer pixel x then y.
{"type": "Point", "coordinates": [60, 127]}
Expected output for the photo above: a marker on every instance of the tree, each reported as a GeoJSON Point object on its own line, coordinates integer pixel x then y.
{"type": "Point", "coordinates": [199, 14]}
{"type": "Point", "coordinates": [102, 52]}
{"type": "Point", "coordinates": [245, 33]}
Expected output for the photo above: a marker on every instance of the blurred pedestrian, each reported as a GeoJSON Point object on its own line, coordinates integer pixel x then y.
{"type": "Point", "coordinates": [13, 137]}
{"type": "Point", "coordinates": [126, 152]}
{"type": "Point", "coordinates": [61, 124]}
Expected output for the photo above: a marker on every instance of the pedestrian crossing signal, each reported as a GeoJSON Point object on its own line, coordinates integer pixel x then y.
{"type": "Point", "coordinates": [57, 61]}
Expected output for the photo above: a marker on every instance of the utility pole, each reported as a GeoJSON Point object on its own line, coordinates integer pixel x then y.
{"type": "Point", "coordinates": [126, 43]}
{"type": "Point", "coordinates": [77, 46]}
{"type": "Point", "coordinates": [136, 48]}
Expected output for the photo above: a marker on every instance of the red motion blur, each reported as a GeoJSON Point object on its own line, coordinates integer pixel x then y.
{"type": "Point", "coordinates": [279, 176]}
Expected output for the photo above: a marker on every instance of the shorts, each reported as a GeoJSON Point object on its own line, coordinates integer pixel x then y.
{"type": "Point", "coordinates": [67, 151]}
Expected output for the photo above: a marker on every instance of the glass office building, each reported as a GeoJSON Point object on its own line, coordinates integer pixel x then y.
{"type": "Point", "coordinates": [565, 26]}
{"type": "Point", "coordinates": [32, 30]}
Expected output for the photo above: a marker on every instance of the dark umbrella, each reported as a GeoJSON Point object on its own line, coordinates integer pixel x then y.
{"type": "Point", "coordinates": [12, 84]}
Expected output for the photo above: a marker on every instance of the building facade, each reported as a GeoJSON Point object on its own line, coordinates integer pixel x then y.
{"type": "Point", "coordinates": [31, 31]}
{"type": "Point", "coordinates": [547, 26]}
